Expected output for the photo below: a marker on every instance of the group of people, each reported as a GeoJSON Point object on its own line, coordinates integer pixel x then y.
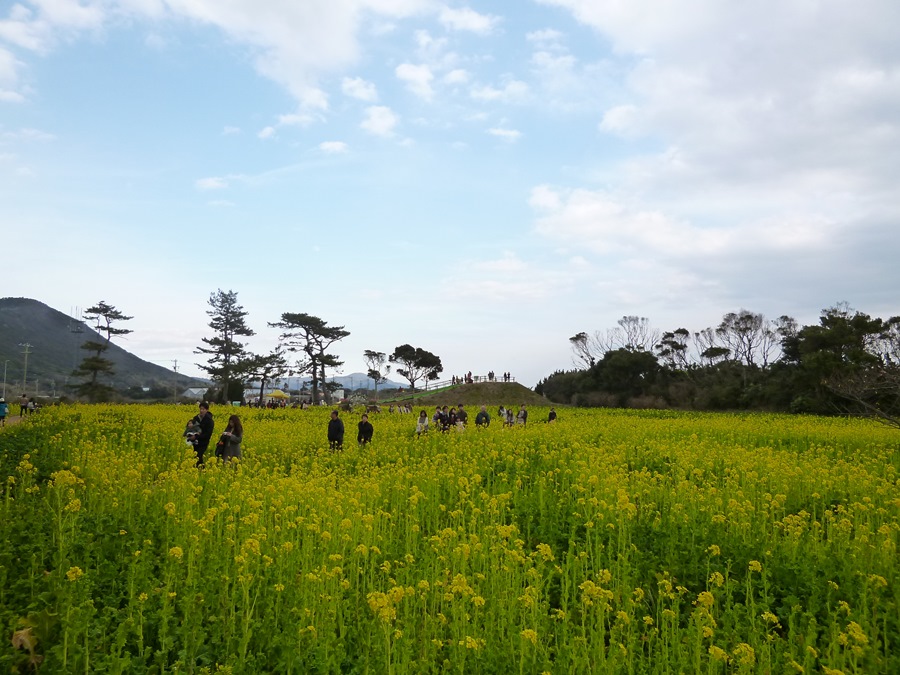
{"type": "Point", "coordinates": [199, 433]}
{"type": "Point", "coordinates": [200, 428]}
{"type": "Point", "coordinates": [336, 431]}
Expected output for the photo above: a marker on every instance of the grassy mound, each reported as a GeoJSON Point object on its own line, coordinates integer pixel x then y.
{"type": "Point", "coordinates": [479, 393]}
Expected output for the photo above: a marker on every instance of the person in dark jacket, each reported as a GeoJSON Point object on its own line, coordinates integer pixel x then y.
{"type": "Point", "coordinates": [336, 431]}
{"type": "Point", "coordinates": [482, 419]}
{"type": "Point", "coordinates": [364, 435]}
{"type": "Point", "coordinates": [204, 420]}
{"type": "Point", "coordinates": [552, 416]}
{"type": "Point", "coordinates": [462, 417]}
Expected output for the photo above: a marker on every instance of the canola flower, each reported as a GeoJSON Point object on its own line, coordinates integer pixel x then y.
{"type": "Point", "coordinates": [616, 541]}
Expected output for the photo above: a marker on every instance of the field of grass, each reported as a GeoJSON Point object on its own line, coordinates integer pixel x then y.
{"type": "Point", "coordinates": [609, 542]}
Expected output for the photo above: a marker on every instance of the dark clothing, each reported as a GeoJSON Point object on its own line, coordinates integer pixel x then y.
{"type": "Point", "coordinates": [552, 416]}
{"type": "Point", "coordinates": [444, 421]}
{"type": "Point", "coordinates": [462, 416]}
{"type": "Point", "coordinates": [482, 419]}
{"type": "Point", "coordinates": [365, 433]}
{"type": "Point", "coordinates": [201, 442]}
{"type": "Point", "coordinates": [336, 433]}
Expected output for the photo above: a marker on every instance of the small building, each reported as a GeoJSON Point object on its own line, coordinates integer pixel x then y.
{"type": "Point", "coordinates": [194, 393]}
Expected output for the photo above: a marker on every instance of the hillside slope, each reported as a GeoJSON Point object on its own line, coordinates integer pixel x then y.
{"type": "Point", "coordinates": [55, 351]}
{"type": "Point", "coordinates": [486, 393]}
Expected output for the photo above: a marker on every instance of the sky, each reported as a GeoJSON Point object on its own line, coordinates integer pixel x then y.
{"type": "Point", "coordinates": [481, 179]}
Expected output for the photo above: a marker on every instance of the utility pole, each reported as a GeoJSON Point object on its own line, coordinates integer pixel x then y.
{"type": "Point", "coordinates": [25, 371]}
{"type": "Point", "coordinates": [175, 386]}
{"type": "Point", "coordinates": [4, 377]}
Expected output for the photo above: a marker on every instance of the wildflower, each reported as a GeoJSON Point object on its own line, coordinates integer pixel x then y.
{"type": "Point", "coordinates": [545, 551]}
{"type": "Point", "coordinates": [716, 579]}
{"type": "Point", "coordinates": [530, 635]}
{"type": "Point", "coordinates": [176, 552]}
{"type": "Point", "coordinates": [770, 618]}
{"type": "Point", "coordinates": [714, 550]}
{"type": "Point", "coordinates": [718, 654]}
{"type": "Point", "coordinates": [744, 654]}
{"type": "Point", "coordinates": [755, 566]}
{"type": "Point", "coordinates": [74, 573]}
{"type": "Point", "coordinates": [705, 599]}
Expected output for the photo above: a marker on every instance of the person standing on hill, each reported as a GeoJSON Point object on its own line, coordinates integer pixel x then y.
{"type": "Point", "coordinates": [364, 435]}
{"type": "Point", "coordinates": [483, 419]}
{"type": "Point", "coordinates": [204, 420]}
{"type": "Point", "coordinates": [336, 432]}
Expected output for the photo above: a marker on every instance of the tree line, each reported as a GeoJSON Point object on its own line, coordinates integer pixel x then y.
{"type": "Point", "coordinates": [305, 347]}
{"type": "Point", "coordinates": [849, 360]}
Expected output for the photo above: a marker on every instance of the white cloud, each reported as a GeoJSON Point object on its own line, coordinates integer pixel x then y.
{"type": "Point", "coordinates": [9, 96]}
{"type": "Point", "coordinates": [508, 135]}
{"type": "Point", "coordinates": [379, 120]}
{"type": "Point", "coordinates": [28, 134]}
{"type": "Point", "coordinates": [230, 131]}
{"type": "Point", "coordinates": [417, 78]}
{"type": "Point", "coordinates": [544, 38]}
{"type": "Point", "coordinates": [333, 147]}
{"type": "Point", "coordinates": [295, 42]}
{"type": "Point", "coordinates": [266, 132]}
{"type": "Point", "coordinates": [357, 87]}
{"type": "Point", "coordinates": [212, 183]}
{"type": "Point", "coordinates": [467, 19]}
{"type": "Point", "coordinates": [456, 76]}
{"type": "Point", "coordinates": [512, 91]}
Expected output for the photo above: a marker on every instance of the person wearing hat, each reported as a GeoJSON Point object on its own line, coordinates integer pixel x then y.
{"type": "Point", "coordinates": [4, 411]}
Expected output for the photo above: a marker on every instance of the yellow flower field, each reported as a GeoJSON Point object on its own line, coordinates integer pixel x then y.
{"type": "Point", "coordinates": [608, 542]}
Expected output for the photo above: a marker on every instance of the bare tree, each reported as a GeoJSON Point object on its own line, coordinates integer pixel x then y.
{"type": "Point", "coordinates": [585, 349]}
{"type": "Point", "coordinates": [637, 333]}
{"type": "Point", "coordinates": [749, 336]}
{"type": "Point", "coordinates": [874, 392]}
{"type": "Point", "coordinates": [708, 346]}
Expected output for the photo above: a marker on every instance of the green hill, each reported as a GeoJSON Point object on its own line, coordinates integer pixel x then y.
{"type": "Point", "coordinates": [487, 393]}
{"type": "Point", "coordinates": [55, 351]}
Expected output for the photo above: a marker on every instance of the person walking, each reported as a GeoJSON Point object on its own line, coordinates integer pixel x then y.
{"type": "Point", "coordinates": [23, 405]}
{"type": "Point", "coordinates": [522, 416]}
{"type": "Point", "coordinates": [4, 411]}
{"type": "Point", "coordinates": [336, 431]}
{"type": "Point", "coordinates": [364, 435]}
{"type": "Point", "coordinates": [229, 445]}
{"type": "Point", "coordinates": [204, 420]}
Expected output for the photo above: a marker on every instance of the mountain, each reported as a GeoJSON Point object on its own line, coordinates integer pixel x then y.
{"type": "Point", "coordinates": [349, 382]}
{"type": "Point", "coordinates": [55, 341]}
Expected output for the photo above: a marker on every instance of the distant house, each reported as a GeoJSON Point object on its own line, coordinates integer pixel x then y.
{"type": "Point", "coordinates": [194, 393]}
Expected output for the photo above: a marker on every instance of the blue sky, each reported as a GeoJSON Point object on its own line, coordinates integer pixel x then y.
{"type": "Point", "coordinates": [480, 179]}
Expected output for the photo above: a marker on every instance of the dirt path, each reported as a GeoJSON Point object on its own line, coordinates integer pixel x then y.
{"type": "Point", "coordinates": [13, 419]}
